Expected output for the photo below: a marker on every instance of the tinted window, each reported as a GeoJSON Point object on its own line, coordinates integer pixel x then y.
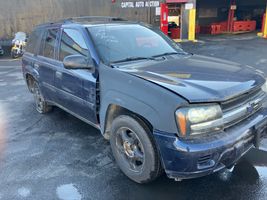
{"type": "Point", "coordinates": [33, 41]}
{"type": "Point", "coordinates": [72, 43]}
{"type": "Point", "coordinates": [50, 43]}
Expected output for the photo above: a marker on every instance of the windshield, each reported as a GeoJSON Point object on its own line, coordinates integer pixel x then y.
{"type": "Point", "coordinates": [117, 43]}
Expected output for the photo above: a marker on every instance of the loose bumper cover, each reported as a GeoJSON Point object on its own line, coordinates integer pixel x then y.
{"type": "Point", "coordinates": [185, 159]}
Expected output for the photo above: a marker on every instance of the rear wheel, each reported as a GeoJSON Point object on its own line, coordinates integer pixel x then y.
{"type": "Point", "coordinates": [13, 55]}
{"type": "Point", "coordinates": [40, 104]}
{"type": "Point", "coordinates": [134, 149]}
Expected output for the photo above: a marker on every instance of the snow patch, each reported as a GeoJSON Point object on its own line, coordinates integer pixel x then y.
{"type": "Point", "coordinates": [68, 192]}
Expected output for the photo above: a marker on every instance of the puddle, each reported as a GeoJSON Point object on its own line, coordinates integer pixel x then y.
{"type": "Point", "coordinates": [68, 192]}
{"type": "Point", "coordinates": [258, 159]}
{"type": "Point", "coordinates": [24, 192]}
{"type": "Point", "coordinates": [262, 170]}
{"type": "Point", "coordinates": [263, 145]}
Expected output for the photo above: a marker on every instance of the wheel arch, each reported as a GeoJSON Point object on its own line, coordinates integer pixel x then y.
{"type": "Point", "coordinates": [126, 106]}
{"type": "Point", "coordinates": [30, 79]}
{"type": "Point", "coordinates": [114, 111]}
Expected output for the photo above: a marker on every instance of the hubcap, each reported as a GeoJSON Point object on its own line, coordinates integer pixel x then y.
{"type": "Point", "coordinates": [130, 149]}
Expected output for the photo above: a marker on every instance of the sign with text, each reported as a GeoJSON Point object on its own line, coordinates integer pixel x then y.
{"type": "Point", "coordinates": [189, 6]}
{"type": "Point", "coordinates": [233, 7]}
{"type": "Point", "coordinates": [140, 4]}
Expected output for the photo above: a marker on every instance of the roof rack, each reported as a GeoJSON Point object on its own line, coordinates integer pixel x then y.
{"type": "Point", "coordinates": [85, 19]}
{"type": "Point", "coordinates": [92, 19]}
{"type": "Point", "coordinates": [96, 18]}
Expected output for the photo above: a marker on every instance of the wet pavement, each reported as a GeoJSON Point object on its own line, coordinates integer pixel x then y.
{"type": "Point", "coordinates": [57, 156]}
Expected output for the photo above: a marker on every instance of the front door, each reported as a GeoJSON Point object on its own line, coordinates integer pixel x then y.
{"type": "Point", "coordinates": [76, 88]}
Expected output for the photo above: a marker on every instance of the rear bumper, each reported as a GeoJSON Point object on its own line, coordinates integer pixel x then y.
{"type": "Point", "coordinates": [195, 158]}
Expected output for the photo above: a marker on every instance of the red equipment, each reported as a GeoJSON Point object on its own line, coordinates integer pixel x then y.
{"type": "Point", "coordinates": [244, 26]}
{"type": "Point", "coordinates": [164, 18]}
{"type": "Point", "coordinates": [231, 16]}
{"type": "Point", "coordinates": [175, 33]}
{"type": "Point", "coordinates": [213, 29]}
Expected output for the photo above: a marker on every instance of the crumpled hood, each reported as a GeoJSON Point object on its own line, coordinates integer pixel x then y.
{"type": "Point", "coordinates": [198, 78]}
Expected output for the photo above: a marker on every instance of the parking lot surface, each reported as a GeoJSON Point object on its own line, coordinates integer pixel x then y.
{"type": "Point", "coordinates": [57, 156]}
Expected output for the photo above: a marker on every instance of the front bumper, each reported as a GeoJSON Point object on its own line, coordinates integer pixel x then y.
{"type": "Point", "coordinates": [185, 159]}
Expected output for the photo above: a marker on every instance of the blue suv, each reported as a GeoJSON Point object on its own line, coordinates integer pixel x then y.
{"type": "Point", "coordinates": [161, 108]}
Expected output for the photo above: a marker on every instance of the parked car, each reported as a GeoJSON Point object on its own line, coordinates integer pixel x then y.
{"type": "Point", "coordinates": [161, 107]}
{"type": "Point", "coordinates": [1, 51]}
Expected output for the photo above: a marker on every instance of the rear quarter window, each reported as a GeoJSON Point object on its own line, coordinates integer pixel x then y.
{"type": "Point", "coordinates": [34, 41]}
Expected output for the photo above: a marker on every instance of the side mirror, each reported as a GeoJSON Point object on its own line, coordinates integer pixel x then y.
{"type": "Point", "coordinates": [77, 62]}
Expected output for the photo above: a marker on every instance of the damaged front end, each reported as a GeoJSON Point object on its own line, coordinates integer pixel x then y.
{"type": "Point", "coordinates": [245, 124]}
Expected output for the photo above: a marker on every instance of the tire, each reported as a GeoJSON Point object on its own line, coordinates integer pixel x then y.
{"type": "Point", "coordinates": [134, 149]}
{"type": "Point", "coordinates": [41, 105]}
{"type": "Point", "coordinates": [14, 55]}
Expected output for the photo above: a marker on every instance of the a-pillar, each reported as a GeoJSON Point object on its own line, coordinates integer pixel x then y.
{"type": "Point", "coordinates": [188, 26]}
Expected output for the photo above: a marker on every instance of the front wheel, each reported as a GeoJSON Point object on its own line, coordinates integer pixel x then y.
{"type": "Point", "coordinates": [134, 149]}
{"type": "Point", "coordinates": [40, 103]}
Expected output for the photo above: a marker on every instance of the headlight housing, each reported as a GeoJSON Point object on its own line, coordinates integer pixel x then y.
{"type": "Point", "coordinates": [200, 119]}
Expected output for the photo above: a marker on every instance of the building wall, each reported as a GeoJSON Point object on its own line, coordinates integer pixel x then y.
{"type": "Point", "coordinates": [208, 8]}
{"type": "Point", "coordinates": [23, 15]}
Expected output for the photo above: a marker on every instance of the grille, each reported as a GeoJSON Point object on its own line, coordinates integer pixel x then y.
{"type": "Point", "coordinates": [242, 107]}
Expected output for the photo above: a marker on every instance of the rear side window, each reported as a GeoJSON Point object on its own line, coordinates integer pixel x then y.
{"type": "Point", "coordinates": [33, 41]}
{"type": "Point", "coordinates": [72, 43]}
{"type": "Point", "coordinates": [49, 43]}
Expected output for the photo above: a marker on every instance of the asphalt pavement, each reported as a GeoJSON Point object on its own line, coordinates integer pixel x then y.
{"type": "Point", "coordinates": [56, 156]}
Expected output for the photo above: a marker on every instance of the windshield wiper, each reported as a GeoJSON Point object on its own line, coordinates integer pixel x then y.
{"type": "Point", "coordinates": [133, 59]}
{"type": "Point", "coordinates": [167, 54]}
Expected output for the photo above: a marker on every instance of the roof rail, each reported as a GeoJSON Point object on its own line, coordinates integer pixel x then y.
{"type": "Point", "coordinates": [93, 18]}
{"type": "Point", "coordinates": [84, 19]}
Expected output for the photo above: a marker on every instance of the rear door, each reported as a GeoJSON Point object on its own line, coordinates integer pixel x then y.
{"type": "Point", "coordinates": [76, 88]}
{"type": "Point", "coordinates": [30, 55]}
{"type": "Point", "coordinates": [46, 63]}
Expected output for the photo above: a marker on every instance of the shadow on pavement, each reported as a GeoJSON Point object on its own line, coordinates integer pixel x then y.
{"type": "Point", "coordinates": [245, 182]}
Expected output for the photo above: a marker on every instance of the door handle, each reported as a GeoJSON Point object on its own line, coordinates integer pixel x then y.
{"type": "Point", "coordinates": [59, 75]}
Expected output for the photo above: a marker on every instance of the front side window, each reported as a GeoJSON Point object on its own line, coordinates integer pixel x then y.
{"type": "Point", "coordinates": [118, 42]}
{"type": "Point", "coordinates": [49, 43]}
{"type": "Point", "coordinates": [72, 43]}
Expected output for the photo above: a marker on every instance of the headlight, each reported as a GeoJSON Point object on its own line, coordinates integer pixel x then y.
{"type": "Point", "coordinates": [264, 87]}
{"type": "Point", "coordinates": [197, 120]}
